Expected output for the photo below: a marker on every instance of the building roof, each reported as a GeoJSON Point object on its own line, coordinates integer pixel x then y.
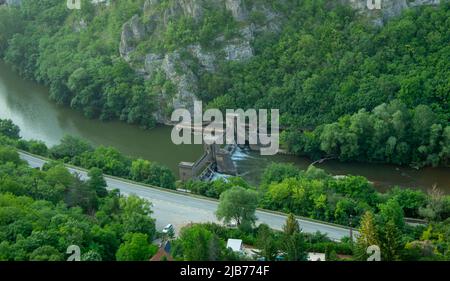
{"type": "Point", "coordinates": [234, 244]}
{"type": "Point", "coordinates": [163, 253]}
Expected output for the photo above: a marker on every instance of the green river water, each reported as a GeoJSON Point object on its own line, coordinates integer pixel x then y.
{"type": "Point", "coordinates": [28, 105]}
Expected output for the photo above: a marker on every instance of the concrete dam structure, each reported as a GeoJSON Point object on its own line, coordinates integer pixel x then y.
{"type": "Point", "coordinates": [214, 159]}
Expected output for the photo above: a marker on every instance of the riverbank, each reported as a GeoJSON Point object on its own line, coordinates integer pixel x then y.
{"type": "Point", "coordinates": [28, 105]}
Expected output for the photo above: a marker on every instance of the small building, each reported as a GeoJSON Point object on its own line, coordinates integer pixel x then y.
{"type": "Point", "coordinates": [163, 253]}
{"type": "Point", "coordinates": [316, 257]}
{"type": "Point", "coordinates": [235, 245]}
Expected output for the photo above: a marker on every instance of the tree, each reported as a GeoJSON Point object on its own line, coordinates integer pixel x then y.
{"type": "Point", "coordinates": [135, 215]}
{"type": "Point", "coordinates": [391, 210]}
{"type": "Point", "coordinates": [391, 242]}
{"type": "Point", "coordinates": [46, 253]}
{"type": "Point", "coordinates": [238, 204]}
{"type": "Point", "coordinates": [293, 242]}
{"type": "Point", "coordinates": [69, 148]}
{"type": "Point", "coordinates": [136, 248]}
{"type": "Point", "coordinates": [435, 205]}
{"type": "Point", "coordinates": [109, 159]}
{"type": "Point", "coordinates": [79, 194]}
{"type": "Point", "coordinates": [58, 174]}
{"type": "Point", "coordinates": [8, 154]}
{"type": "Point", "coordinates": [97, 182]}
{"type": "Point", "coordinates": [277, 172]}
{"type": "Point", "coordinates": [292, 226]}
{"type": "Point", "coordinates": [266, 243]}
{"type": "Point", "coordinates": [152, 173]}
{"type": "Point", "coordinates": [140, 170]}
{"type": "Point", "coordinates": [9, 129]}
{"type": "Point", "coordinates": [411, 201]}
{"type": "Point", "coordinates": [91, 255]}
{"type": "Point", "coordinates": [368, 235]}
{"type": "Point", "coordinates": [199, 244]}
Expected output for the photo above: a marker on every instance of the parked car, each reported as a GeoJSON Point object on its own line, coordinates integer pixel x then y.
{"type": "Point", "coordinates": [169, 229]}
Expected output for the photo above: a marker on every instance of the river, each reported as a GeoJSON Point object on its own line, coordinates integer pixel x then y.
{"type": "Point", "coordinates": [28, 105]}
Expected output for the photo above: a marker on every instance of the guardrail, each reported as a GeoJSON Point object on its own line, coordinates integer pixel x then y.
{"type": "Point", "coordinates": [139, 184]}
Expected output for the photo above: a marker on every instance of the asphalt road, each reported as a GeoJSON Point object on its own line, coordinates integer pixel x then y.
{"type": "Point", "coordinates": [179, 209]}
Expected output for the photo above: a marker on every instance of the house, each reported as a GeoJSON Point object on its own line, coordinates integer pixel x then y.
{"type": "Point", "coordinates": [163, 253]}
{"type": "Point", "coordinates": [316, 257]}
{"type": "Point", "coordinates": [235, 245]}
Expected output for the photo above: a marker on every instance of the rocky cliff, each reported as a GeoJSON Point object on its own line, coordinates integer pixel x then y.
{"type": "Point", "coordinates": [183, 63]}
{"type": "Point", "coordinates": [186, 60]}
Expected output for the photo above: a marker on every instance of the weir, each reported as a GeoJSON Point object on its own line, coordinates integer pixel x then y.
{"type": "Point", "coordinates": [214, 159]}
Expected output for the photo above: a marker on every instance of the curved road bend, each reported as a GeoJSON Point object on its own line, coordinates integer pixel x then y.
{"type": "Point", "coordinates": [179, 209]}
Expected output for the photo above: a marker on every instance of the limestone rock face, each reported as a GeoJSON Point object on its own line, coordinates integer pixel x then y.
{"type": "Point", "coordinates": [14, 2]}
{"type": "Point", "coordinates": [238, 52]}
{"type": "Point", "coordinates": [179, 74]}
{"type": "Point", "coordinates": [183, 66]}
{"type": "Point", "coordinates": [206, 59]}
{"type": "Point", "coordinates": [237, 8]}
{"type": "Point", "coordinates": [132, 31]}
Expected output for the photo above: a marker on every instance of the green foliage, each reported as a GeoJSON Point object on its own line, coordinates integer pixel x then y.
{"type": "Point", "coordinates": [266, 243]}
{"type": "Point", "coordinates": [293, 242]}
{"type": "Point", "coordinates": [136, 248]}
{"type": "Point", "coordinates": [108, 160]}
{"type": "Point", "coordinates": [215, 188]}
{"type": "Point", "coordinates": [328, 62]}
{"type": "Point", "coordinates": [239, 205]}
{"type": "Point", "coordinates": [198, 244]}
{"type": "Point", "coordinates": [9, 129]}
{"type": "Point", "coordinates": [389, 134]}
{"type": "Point", "coordinates": [44, 212]}
{"type": "Point", "coordinates": [368, 236]}
{"type": "Point", "coordinates": [79, 64]}
{"type": "Point", "coordinates": [69, 147]}
{"type": "Point", "coordinates": [136, 216]}
{"type": "Point", "coordinates": [97, 182]}
{"type": "Point", "coordinates": [277, 172]}
{"type": "Point", "coordinates": [152, 173]}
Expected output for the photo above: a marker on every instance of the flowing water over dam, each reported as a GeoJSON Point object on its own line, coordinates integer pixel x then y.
{"type": "Point", "coordinates": [28, 105]}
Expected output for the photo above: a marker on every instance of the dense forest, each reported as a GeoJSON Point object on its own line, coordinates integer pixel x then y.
{"type": "Point", "coordinates": [315, 194]}
{"type": "Point", "coordinates": [326, 69]}
{"type": "Point", "coordinates": [312, 193]}
{"type": "Point", "coordinates": [78, 152]}
{"type": "Point", "coordinates": [346, 89]}
{"type": "Point", "coordinates": [42, 213]}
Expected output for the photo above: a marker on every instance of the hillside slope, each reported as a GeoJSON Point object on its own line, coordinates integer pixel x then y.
{"type": "Point", "coordinates": [315, 60]}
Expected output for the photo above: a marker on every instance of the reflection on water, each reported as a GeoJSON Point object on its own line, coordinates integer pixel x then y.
{"type": "Point", "coordinates": [27, 104]}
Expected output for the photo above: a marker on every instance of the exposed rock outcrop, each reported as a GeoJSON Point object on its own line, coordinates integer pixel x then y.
{"type": "Point", "coordinates": [177, 68]}
{"type": "Point", "coordinates": [184, 65]}
{"type": "Point", "coordinates": [132, 31]}
{"type": "Point", "coordinates": [237, 8]}
{"type": "Point", "coordinates": [14, 2]}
